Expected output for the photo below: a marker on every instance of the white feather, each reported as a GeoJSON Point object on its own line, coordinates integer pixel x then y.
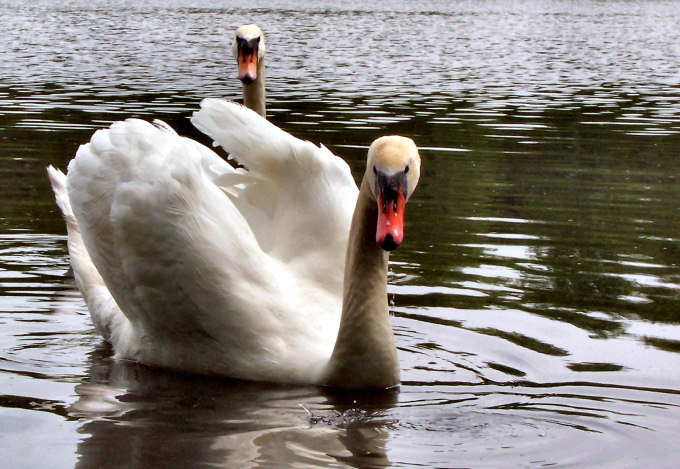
{"type": "Point", "coordinates": [212, 270]}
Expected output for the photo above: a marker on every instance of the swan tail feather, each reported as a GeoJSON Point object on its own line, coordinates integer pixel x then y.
{"type": "Point", "coordinates": [58, 182]}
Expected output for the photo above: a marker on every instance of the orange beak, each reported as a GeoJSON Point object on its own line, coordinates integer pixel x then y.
{"type": "Point", "coordinates": [390, 231]}
{"type": "Point", "coordinates": [247, 67]}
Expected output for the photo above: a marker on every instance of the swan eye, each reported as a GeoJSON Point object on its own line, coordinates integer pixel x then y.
{"type": "Point", "coordinates": [406, 169]}
{"type": "Point", "coordinates": [375, 170]}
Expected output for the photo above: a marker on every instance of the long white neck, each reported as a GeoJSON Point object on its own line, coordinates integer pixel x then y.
{"type": "Point", "coordinates": [365, 355]}
{"type": "Point", "coordinates": [253, 94]}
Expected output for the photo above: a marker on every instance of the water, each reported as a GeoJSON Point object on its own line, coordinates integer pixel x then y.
{"type": "Point", "coordinates": [536, 298]}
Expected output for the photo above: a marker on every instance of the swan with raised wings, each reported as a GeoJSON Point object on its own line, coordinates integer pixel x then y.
{"type": "Point", "coordinates": [277, 272]}
{"type": "Point", "coordinates": [274, 273]}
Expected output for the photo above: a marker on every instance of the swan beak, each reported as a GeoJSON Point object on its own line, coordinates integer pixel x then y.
{"type": "Point", "coordinates": [391, 203]}
{"type": "Point", "coordinates": [247, 66]}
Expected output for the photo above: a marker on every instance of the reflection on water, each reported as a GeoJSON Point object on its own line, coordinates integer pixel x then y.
{"type": "Point", "coordinates": [162, 416]}
{"type": "Point", "coordinates": [237, 423]}
{"type": "Point", "coordinates": [536, 298]}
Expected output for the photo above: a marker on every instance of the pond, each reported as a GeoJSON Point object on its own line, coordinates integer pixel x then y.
{"type": "Point", "coordinates": [535, 299]}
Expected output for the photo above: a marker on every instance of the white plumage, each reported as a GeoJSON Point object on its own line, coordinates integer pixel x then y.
{"type": "Point", "coordinates": [273, 272]}
{"type": "Point", "coordinates": [214, 270]}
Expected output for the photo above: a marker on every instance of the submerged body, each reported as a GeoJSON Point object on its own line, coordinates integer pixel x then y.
{"type": "Point", "coordinates": [204, 268]}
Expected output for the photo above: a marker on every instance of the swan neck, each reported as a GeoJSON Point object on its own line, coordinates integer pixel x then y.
{"type": "Point", "coordinates": [365, 355]}
{"type": "Point", "coordinates": [254, 93]}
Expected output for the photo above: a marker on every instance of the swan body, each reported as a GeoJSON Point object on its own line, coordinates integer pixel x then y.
{"type": "Point", "coordinates": [276, 271]}
{"type": "Point", "coordinates": [201, 267]}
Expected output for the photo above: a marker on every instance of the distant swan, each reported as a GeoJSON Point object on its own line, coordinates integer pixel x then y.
{"type": "Point", "coordinates": [248, 49]}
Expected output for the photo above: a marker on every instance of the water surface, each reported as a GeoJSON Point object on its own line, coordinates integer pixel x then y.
{"type": "Point", "coordinates": [536, 299]}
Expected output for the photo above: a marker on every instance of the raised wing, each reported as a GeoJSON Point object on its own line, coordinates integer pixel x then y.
{"type": "Point", "coordinates": [301, 197]}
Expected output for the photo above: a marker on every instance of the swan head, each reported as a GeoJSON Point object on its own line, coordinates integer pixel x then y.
{"type": "Point", "coordinates": [393, 170]}
{"type": "Point", "coordinates": [248, 50]}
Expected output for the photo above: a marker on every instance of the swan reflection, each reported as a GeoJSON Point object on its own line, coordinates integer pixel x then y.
{"type": "Point", "coordinates": [137, 416]}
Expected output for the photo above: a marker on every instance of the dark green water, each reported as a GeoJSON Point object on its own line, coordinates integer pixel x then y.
{"type": "Point", "coordinates": [536, 298]}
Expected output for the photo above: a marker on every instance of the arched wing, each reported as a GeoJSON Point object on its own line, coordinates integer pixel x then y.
{"type": "Point", "coordinates": [301, 197]}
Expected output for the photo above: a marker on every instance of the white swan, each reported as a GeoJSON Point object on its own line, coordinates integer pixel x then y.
{"type": "Point", "coordinates": [248, 48]}
{"type": "Point", "coordinates": [238, 273]}
{"type": "Point", "coordinates": [187, 263]}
